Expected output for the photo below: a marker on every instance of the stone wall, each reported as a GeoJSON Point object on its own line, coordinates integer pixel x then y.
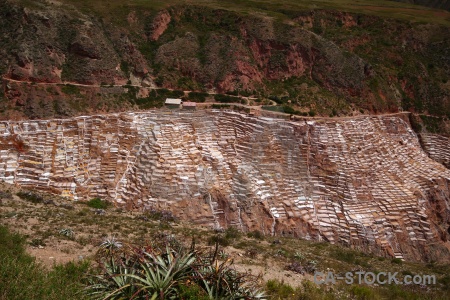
{"type": "Point", "coordinates": [363, 182]}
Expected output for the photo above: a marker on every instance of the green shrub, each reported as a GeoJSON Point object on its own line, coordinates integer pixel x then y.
{"type": "Point", "coordinates": [288, 109]}
{"type": "Point", "coordinates": [407, 272]}
{"type": "Point", "coordinates": [232, 233]}
{"type": "Point", "coordinates": [197, 96]}
{"type": "Point", "coordinates": [397, 261]}
{"type": "Point", "coordinates": [124, 66]}
{"type": "Point", "coordinates": [256, 234]}
{"type": "Point", "coordinates": [246, 93]}
{"type": "Point", "coordinates": [432, 124]}
{"type": "Point", "coordinates": [276, 99]}
{"type": "Point", "coordinates": [232, 93]}
{"type": "Point", "coordinates": [226, 98]}
{"type": "Point", "coordinates": [70, 89]}
{"type": "Point", "coordinates": [176, 94]}
{"type": "Point", "coordinates": [273, 108]}
{"type": "Point", "coordinates": [445, 281]}
{"type": "Point", "coordinates": [192, 292]}
{"type": "Point", "coordinates": [220, 106]}
{"type": "Point", "coordinates": [37, 242]}
{"type": "Point", "coordinates": [30, 196]}
{"type": "Point", "coordinates": [98, 203]}
{"type": "Point", "coordinates": [362, 292]}
{"type": "Point", "coordinates": [344, 255]}
{"type": "Point", "coordinates": [279, 290]}
{"type": "Point", "coordinates": [23, 278]}
{"type": "Point", "coordinates": [218, 239]}
{"type": "Point", "coordinates": [312, 291]}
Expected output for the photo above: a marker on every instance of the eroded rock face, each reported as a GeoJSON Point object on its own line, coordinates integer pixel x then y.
{"type": "Point", "coordinates": [49, 44]}
{"type": "Point", "coordinates": [160, 24]}
{"type": "Point", "coordinates": [363, 182]}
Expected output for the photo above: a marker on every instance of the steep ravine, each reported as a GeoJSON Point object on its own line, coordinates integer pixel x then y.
{"type": "Point", "coordinates": [363, 182]}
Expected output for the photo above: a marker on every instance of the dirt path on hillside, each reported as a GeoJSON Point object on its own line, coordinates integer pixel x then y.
{"type": "Point", "coordinates": [206, 104]}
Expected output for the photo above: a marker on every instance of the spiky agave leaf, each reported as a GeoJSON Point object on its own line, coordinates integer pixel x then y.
{"type": "Point", "coordinates": [153, 273]}
{"type": "Point", "coordinates": [67, 232]}
{"type": "Point", "coordinates": [114, 283]}
{"type": "Point", "coordinates": [162, 274]}
{"type": "Point", "coordinates": [110, 246]}
{"type": "Point", "coordinates": [221, 281]}
{"type": "Point", "coordinates": [111, 243]}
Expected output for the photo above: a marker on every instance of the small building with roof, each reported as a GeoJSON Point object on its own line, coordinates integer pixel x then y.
{"type": "Point", "coordinates": [189, 105]}
{"type": "Point", "coordinates": [173, 102]}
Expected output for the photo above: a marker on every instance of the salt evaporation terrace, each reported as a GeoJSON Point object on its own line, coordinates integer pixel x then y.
{"type": "Point", "coordinates": [364, 181]}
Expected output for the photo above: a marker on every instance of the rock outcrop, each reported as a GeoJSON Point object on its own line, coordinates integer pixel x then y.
{"type": "Point", "coordinates": [363, 182]}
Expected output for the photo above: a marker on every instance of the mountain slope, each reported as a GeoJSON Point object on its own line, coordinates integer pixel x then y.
{"type": "Point", "coordinates": [441, 4]}
{"type": "Point", "coordinates": [362, 182]}
{"type": "Point", "coordinates": [310, 57]}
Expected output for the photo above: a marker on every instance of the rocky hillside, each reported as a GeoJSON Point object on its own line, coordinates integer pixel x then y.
{"type": "Point", "coordinates": [329, 60]}
{"type": "Point", "coordinates": [362, 182]}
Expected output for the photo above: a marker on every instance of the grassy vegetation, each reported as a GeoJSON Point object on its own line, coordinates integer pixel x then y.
{"type": "Point", "coordinates": [273, 108]}
{"type": "Point", "coordinates": [307, 290]}
{"type": "Point", "coordinates": [197, 96]}
{"type": "Point", "coordinates": [432, 124]}
{"type": "Point", "coordinates": [98, 203]}
{"type": "Point", "coordinates": [278, 9]}
{"type": "Point", "coordinates": [156, 98]}
{"type": "Point", "coordinates": [220, 106]}
{"type": "Point", "coordinates": [155, 228]}
{"type": "Point", "coordinates": [70, 89]}
{"type": "Point", "coordinates": [159, 215]}
{"type": "Point", "coordinates": [162, 270]}
{"type": "Point", "coordinates": [30, 196]}
{"type": "Point", "coordinates": [167, 270]}
{"type": "Point", "coordinates": [305, 93]}
{"type": "Point", "coordinates": [226, 98]}
{"type": "Point", "coordinates": [23, 278]}
{"type": "Point", "coordinates": [288, 110]}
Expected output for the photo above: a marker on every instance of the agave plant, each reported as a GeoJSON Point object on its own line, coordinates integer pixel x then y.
{"type": "Point", "coordinates": [152, 273]}
{"type": "Point", "coordinates": [162, 274]}
{"type": "Point", "coordinates": [115, 283]}
{"type": "Point", "coordinates": [223, 255]}
{"type": "Point", "coordinates": [298, 255]}
{"type": "Point", "coordinates": [108, 248]}
{"type": "Point", "coordinates": [67, 232]}
{"type": "Point", "coordinates": [111, 244]}
{"type": "Point", "coordinates": [221, 281]}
